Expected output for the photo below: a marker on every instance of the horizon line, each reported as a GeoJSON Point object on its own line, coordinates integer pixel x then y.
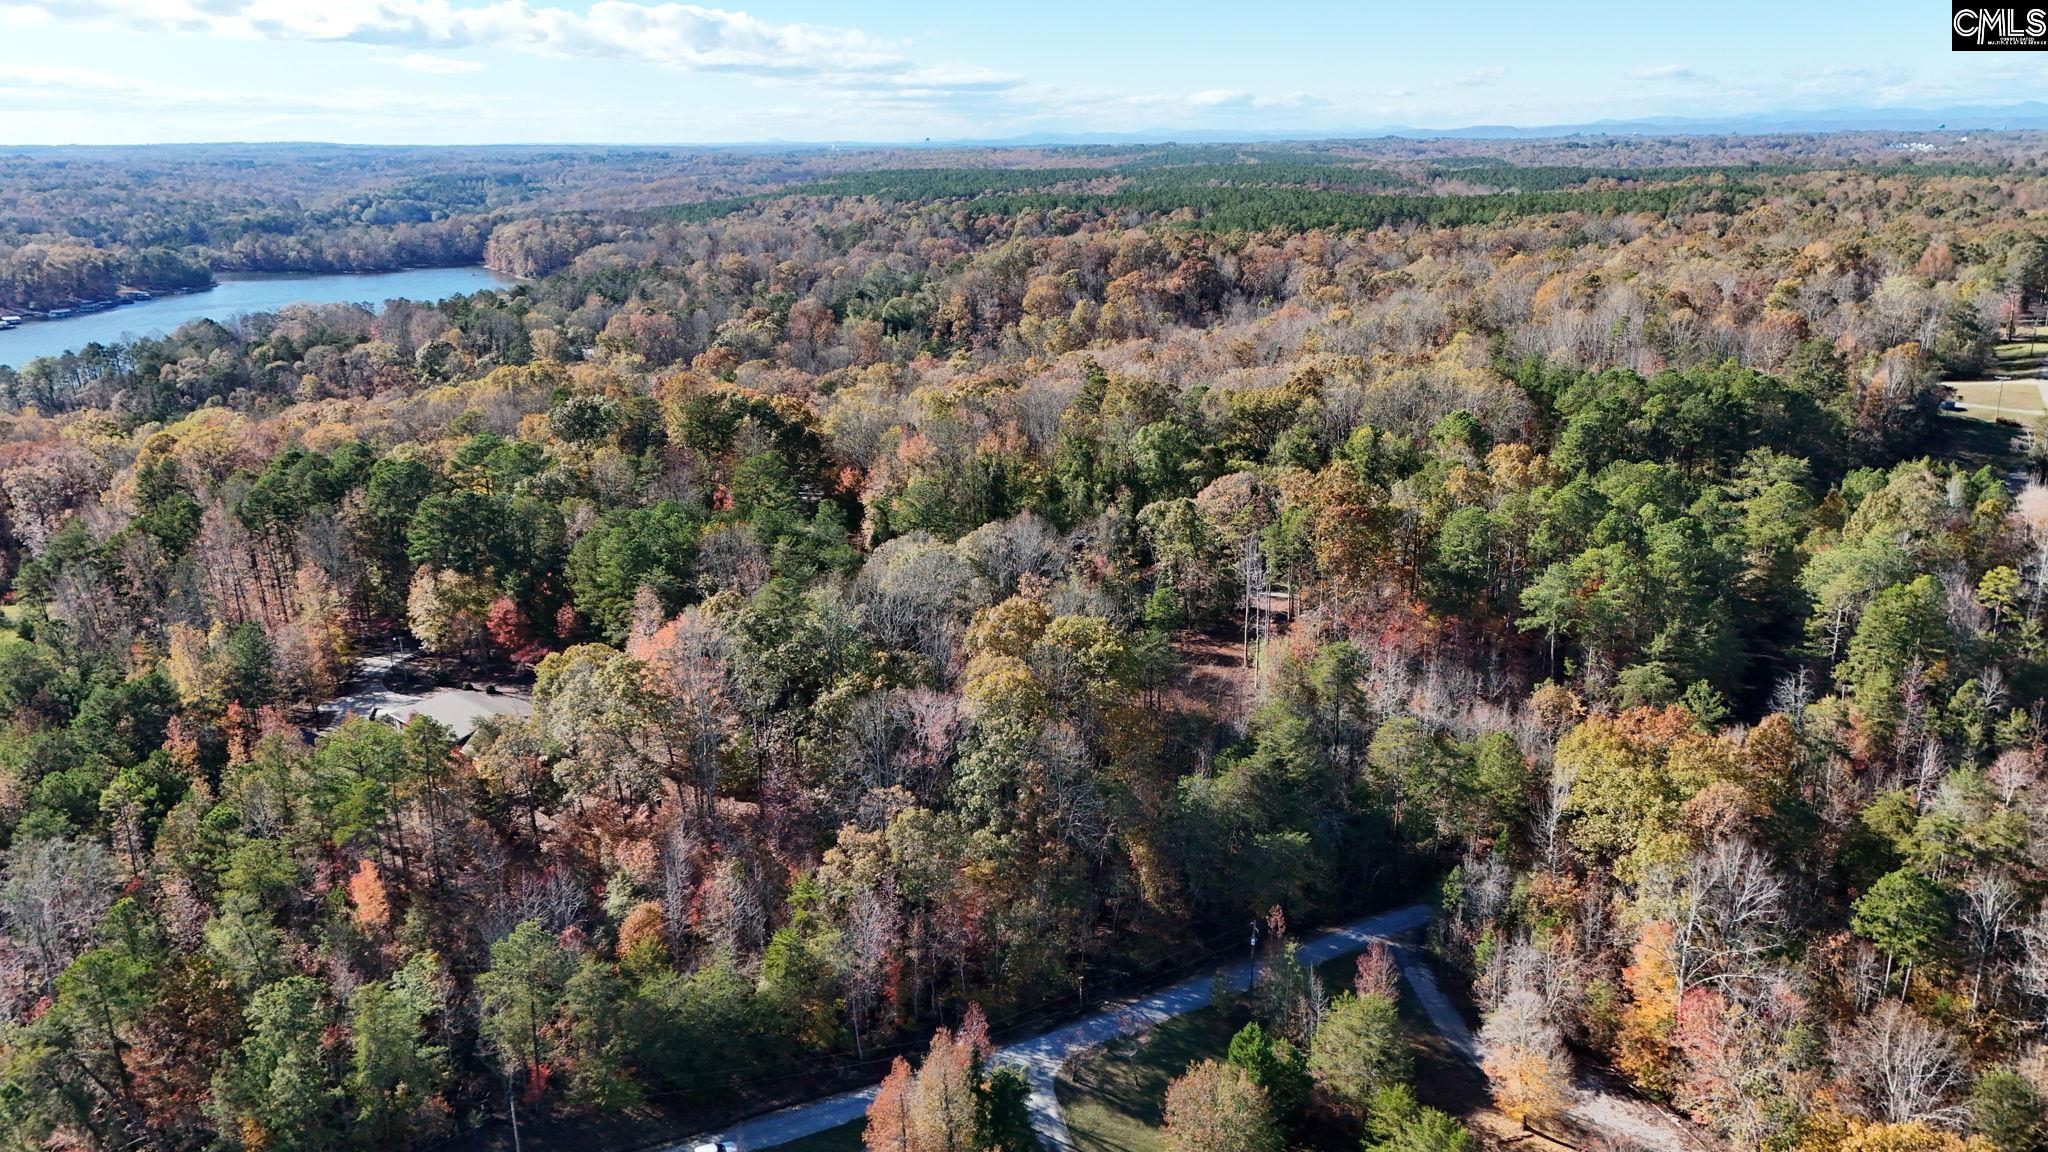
{"type": "Point", "coordinates": [1765, 123]}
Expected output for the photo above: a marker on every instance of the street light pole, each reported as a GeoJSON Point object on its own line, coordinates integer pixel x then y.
{"type": "Point", "coordinates": [1251, 972]}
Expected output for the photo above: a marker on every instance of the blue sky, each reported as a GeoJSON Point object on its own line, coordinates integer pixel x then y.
{"type": "Point", "coordinates": [642, 71]}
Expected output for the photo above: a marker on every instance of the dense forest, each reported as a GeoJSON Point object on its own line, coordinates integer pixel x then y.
{"type": "Point", "coordinates": [78, 224]}
{"type": "Point", "coordinates": [949, 584]}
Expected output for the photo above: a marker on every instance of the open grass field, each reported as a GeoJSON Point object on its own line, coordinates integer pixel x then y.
{"type": "Point", "coordinates": [1975, 442]}
{"type": "Point", "coordinates": [2016, 399]}
{"type": "Point", "coordinates": [2023, 354]}
{"type": "Point", "coordinates": [2013, 388]}
{"type": "Point", "coordinates": [1114, 1099]}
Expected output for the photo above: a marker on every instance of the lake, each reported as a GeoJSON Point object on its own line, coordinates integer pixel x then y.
{"type": "Point", "coordinates": [237, 293]}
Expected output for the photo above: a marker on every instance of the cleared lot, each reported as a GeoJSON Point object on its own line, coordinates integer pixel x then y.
{"type": "Point", "coordinates": [2015, 397]}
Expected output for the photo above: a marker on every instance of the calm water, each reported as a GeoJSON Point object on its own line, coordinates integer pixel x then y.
{"type": "Point", "coordinates": [236, 294]}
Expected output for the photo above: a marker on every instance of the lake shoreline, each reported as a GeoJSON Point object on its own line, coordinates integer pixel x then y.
{"type": "Point", "coordinates": [237, 294]}
{"type": "Point", "coordinates": [29, 315]}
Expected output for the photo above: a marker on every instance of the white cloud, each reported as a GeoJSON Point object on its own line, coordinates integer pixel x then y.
{"type": "Point", "coordinates": [1055, 108]}
{"type": "Point", "coordinates": [812, 81]}
{"type": "Point", "coordinates": [685, 36]}
{"type": "Point", "coordinates": [1235, 99]}
{"type": "Point", "coordinates": [428, 64]}
{"type": "Point", "coordinates": [58, 86]}
{"type": "Point", "coordinates": [1488, 77]}
{"type": "Point", "coordinates": [956, 80]}
{"type": "Point", "coordinates": [1670, 72]}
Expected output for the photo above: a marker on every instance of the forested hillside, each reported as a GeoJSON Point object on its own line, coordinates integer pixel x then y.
{"type": "Point", "coordinates": [950, 584]}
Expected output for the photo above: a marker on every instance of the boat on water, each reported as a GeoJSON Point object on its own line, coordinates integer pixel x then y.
{"type": "Point", "coordinates": [124, 297]}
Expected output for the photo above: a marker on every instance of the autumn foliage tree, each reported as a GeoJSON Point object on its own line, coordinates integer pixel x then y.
{"type": "Point", "coordinates": [1525, 1060]}
{"type": "Point", "coordinates": [948, 578]}
{"type": "Point", "coordinates": [1217, 1107]}
{"type": "Point", "coordinates": [953, 1101]}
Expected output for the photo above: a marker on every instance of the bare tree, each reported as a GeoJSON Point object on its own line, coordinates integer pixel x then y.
{"type": "Point", "coordinates": [935, 721]}
{"type": "Point", "coordinates": [687, 660]}
{"type": "Point", "coordinates": [679, 877]}
{"type": "Point", "coordinates": [1524, 1058]}
{"type": "Point", "coordinates": [52, 894]}
{"type": "Point", "coordinates": [866, 751]}
{"type": "Point", "coordinates": [730, 557]}
{"type": "Point", "coordinates": [1928, 773]}
{"type": "Point", "coordinates": [1792, 695]}
{"type": "Point", "coordinates": [916, 593]}
{"type": "Point", "coordinates": [1866, 971]}
{"type": "Point", "coordinates": [2010, 773]}
{"type": "Point", "coordinates": [1549, 968]}
{"type": "Point", "coordinates": [1742, 1073]}
{"type": "Point", "coordinates": [1003, 551]}
{"type": "Point", "coordinates": [1730, 912]}
{"type": "Point", "coordinates": [553, 897]}
{"type": "Point", "coordinates": [1989, 901]}
{"type": "Point", "coordinates": [1550, 819]}
{"type": "Point", "coordinates": [2032, 508]}
{"type": "Point", "coordinates": [2032, 968]}
{"type": "Point", "coordinates": [874, 937]}
{"type": "Point", "coordinates": [1898, 1067]}
{"type": "Point", "coordinates": [737, 901]}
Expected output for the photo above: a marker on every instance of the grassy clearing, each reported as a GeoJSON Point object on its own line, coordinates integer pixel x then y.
{"type": "Point", "coordinates": [1115, 1099]}
{"type": "Point", "coordinates": [1442, 1078]}
{"type": "Point", "coordinates": [2024, 353]}
{"type": "Point", "coordinates": [1973, 441]}
{"type": "Point", "coordinates": [2011, 390]}
{"type": "Point", "coordinates": [2014, 397]}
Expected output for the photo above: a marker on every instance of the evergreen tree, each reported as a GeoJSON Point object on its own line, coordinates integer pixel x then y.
{"type": "Point", "coordinates": [521, 995]}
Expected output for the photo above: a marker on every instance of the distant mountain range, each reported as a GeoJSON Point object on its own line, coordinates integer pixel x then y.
{"type": "Point", "coordinates": [2032, 114]}
{"type": "Point", "coordinates": [2028, 115]}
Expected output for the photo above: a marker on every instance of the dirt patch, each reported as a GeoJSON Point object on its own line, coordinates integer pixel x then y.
{"type": "Point", "coordinates": [1495, 1130]}
{"type": "Point", "coordinates": [1213, 680]}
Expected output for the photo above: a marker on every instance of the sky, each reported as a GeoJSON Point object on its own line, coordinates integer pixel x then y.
{"type": "Point", "coordinates": [643, 71]}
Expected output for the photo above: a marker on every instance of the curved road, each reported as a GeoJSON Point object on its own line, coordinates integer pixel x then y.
{"type": "Point", "coordinates": [1040, 1058]}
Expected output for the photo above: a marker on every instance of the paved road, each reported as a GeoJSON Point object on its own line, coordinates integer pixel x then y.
{"type": "Point", "coordinates": [1443, 1015]}
{"type": "Point", "coordinates": [1040, 1058]}
{"type": "Point", "coordinates": [1632, 1123]}
{"type": "Point", "coordinates": [372, 697]}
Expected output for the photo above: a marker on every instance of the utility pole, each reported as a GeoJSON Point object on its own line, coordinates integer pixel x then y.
{"type": "Point", "coordinates": [1251, 971]}
{"type": "Point", "coordinates": [512, 1107]}
{"type": "Point", "coordinates": [1250, 585]}
{"type": "Point", "coordinates": [1258, 609]}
